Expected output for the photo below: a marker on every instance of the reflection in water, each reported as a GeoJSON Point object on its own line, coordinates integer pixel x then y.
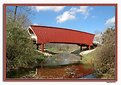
{"type": "Point", "coordinates": [62, 59]}
{"type": "Point", "coordinates": [64, 66]}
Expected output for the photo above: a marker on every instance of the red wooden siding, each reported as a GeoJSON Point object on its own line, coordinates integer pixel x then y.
{"type": "Point", "coordinates": [47, 34]}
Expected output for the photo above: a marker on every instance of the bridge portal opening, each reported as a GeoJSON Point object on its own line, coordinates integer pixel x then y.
{"type": "Point", "coordinates": [32, 35]}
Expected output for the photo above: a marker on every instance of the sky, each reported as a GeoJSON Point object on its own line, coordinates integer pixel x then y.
{"type": "Point", "coordinates": [90, 19]}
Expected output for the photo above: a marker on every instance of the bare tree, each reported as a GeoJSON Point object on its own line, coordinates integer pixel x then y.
{"type": "Point", "coordinates": [20, 15]}
{"type": "Point", "coordinates": [98, 37]}
{"type": "Point", "coordinates": [15, 11]}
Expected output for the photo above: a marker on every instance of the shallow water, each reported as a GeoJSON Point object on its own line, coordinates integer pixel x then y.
{"type": "Point", "coordinates": [62, 59]}
{"type": "Point", "coordinates": [64, 66]}
{"type": "Point", "coordinates": [90, 76]}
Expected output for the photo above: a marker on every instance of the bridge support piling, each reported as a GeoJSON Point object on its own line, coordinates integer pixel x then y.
{"type": "Point", "coordinates": [37, 46]}
{"type": "Point", "coordinates": [89, 47]}
{"type": "Point", "coordinates": [80, 47]}
{"type": "Point", "coordinates": [42, 47]}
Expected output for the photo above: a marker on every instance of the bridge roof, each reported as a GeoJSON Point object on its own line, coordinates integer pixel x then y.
{"type": "Point", "coordinates": [46, 34]}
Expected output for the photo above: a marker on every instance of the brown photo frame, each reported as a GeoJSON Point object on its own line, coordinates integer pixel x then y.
{"type": "Point", "coordinates": [56, 80]}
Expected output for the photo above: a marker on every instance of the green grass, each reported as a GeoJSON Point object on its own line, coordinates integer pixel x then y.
{"type": "Point", "coordinates": [89, 58]}
{"type": "Point", "coordinates": [87, 66]}
{"type": "Point", "coordinates": [56, 50]}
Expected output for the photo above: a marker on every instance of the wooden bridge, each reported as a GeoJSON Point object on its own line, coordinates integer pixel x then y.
{"type": "Point", "coordinates": [45, 34]}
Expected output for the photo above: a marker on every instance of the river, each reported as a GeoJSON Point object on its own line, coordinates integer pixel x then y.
{"type": "Point", "coordinates": [64, 66]}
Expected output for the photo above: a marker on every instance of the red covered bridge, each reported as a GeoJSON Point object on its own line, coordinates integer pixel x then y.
{"type": "Point", "coordinates": [45, 34]}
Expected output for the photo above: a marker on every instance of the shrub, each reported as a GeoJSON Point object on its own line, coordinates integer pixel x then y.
{"type": "Point", "coordinates": [105, 54]}
{"type": "Point", "coordinates": [20, 50]}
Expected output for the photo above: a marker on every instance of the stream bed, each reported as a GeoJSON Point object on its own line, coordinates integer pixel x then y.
{"type": "Point", "coordinates": [65, 66]}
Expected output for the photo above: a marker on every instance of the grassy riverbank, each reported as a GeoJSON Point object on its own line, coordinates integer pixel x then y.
{"type": "Point", "coordinates": [102, 70]}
